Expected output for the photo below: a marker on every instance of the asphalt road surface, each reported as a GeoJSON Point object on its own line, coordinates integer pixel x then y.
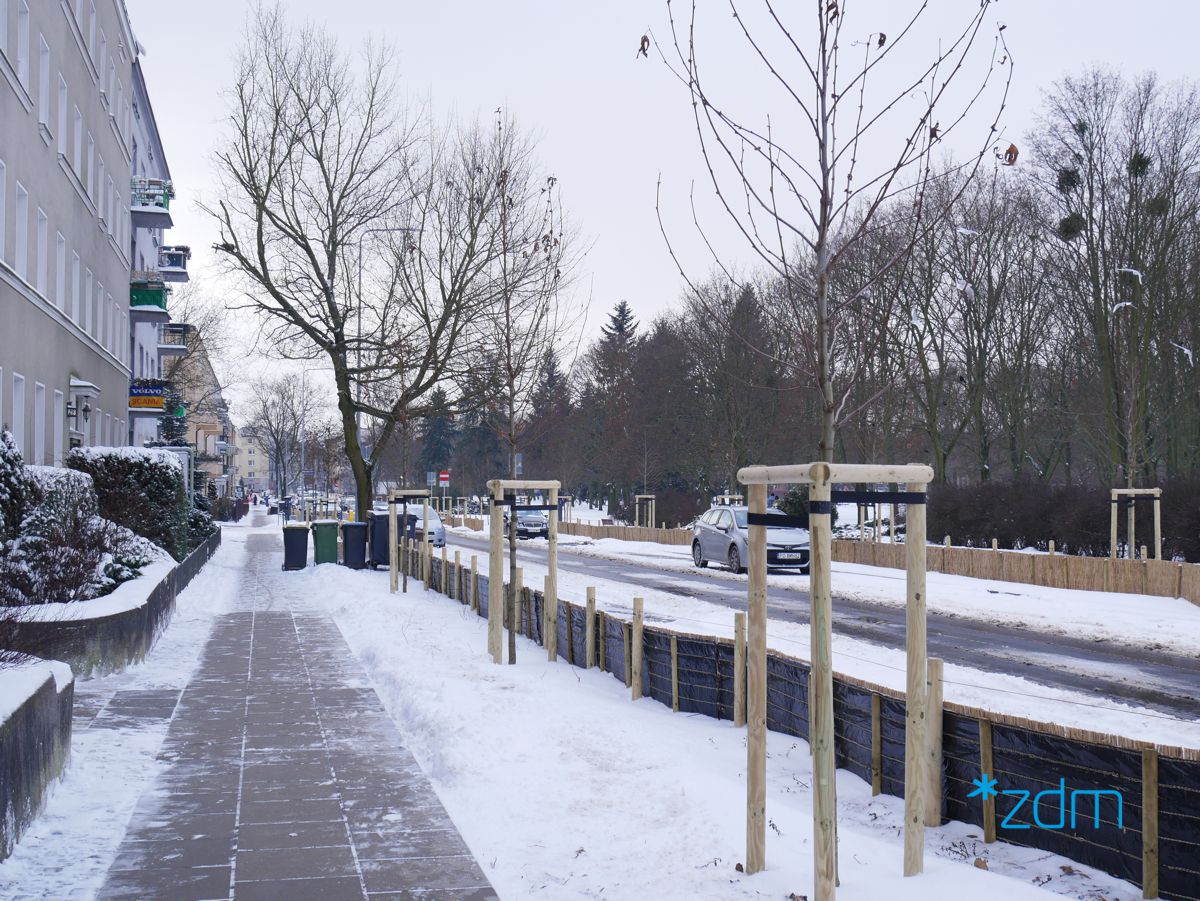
{"type": "Point", "coordinates": [1160, 680]}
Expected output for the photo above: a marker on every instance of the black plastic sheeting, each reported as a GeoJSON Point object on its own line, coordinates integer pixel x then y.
{"type": "Point", "coordinates": [1179, 829]}
{"type": "Point", "coordinates": [1023, 760]}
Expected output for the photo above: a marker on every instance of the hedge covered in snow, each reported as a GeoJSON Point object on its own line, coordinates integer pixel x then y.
{"type": "Point", "coordinates": [142, 489]}
{"type": "Point", "coordinates": [54, 546]}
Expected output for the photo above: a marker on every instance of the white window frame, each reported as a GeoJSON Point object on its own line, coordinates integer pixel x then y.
{"type": "Point", "coordinates": [39, 424]}
{"type": "Point", "coordinates": [78, 159]}
{"type": "Point", "coordinates": [60, 415]}
{"type": "Point", "coordinates": [62, 114]}
{"type": "Point", "coordinates": [43, 81]}
{"type": "Point", "coordinates": [60, 271]}
{"type": "Point", "coordinates": [87, 300]}
{"type": "Point", "coordinates": [3, 203]}
{"type": "Point", "coordinates": [18, 412]}
{"type": "Point", "coordinates": [42, 252]}
{"type": "Point", "coordinates": [75, 286]}
{"type": "Point", "coordinates": [23, 43]}
{"type": "Point", "coordinates": [21, 248]}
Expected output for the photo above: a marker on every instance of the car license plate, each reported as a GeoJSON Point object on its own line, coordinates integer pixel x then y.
{"type": "Point", "coordinates": [790, 556]}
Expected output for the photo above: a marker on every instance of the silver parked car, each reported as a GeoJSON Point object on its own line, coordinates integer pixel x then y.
{"type": "Point", "coordinates": [720, 536]}
{"type": "Point", "coordinates": [437, 530]}
{"type": "Point", "coordinates": [530, 524]}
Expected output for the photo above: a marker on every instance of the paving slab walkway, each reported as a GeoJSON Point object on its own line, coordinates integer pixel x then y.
{"type": "Point", "coordinates": [285, 778]}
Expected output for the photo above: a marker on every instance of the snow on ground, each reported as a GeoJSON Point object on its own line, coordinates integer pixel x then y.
{"type": "Point", "coordinates": [1145, 621]}
{"type": "Point", "coordinates": [964, 685]}
{"type": "Point", "coordinates": [563, 788]}
{"type": "Point", "coordinates": [67, 851]}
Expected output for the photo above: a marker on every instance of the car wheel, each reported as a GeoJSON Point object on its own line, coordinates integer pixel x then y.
{"type": "Point", "coordinates": [735, 560]}
{"type": "Point", "coordinates": [698, 555]}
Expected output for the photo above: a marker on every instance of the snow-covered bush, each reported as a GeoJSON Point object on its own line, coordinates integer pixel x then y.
{"type": "Point", "coordinates": [141, 489]}
{"type": "Point", "coordinates": [62, 550]}
{"type": "Point", "coordinates": [14, 486]}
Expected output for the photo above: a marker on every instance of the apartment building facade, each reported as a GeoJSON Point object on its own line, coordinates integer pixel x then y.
{"type": "Point", "coordinates": [75, 125]}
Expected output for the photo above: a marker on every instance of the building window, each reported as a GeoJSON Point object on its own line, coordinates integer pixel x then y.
{"type": "Point", "coordinates": [3, 193]}
{"type": "Point", "coordinates": [92, 28]}
{"type": "Point", "coordinates": [4, 27]}
{"type": "Point", "coordinates": [60, 271]}
{"type": "Point", "coordinates": [62, 115]}
{"type": "Point", "coordinates": [43, 81]}
{"type": "Point", "coordinates": [43, 226]}
{"type": "Point", "coordinates": [22, 247]}
{"type": "Point", "coordinates": [39, 424]}
{"type": "Point", "coordinates": [87, 300]}
{"type": "Point", "coordinates": [78, 160]}
{"type": "Point", "coordinates": [18, 412]}
{"type": "Point", "coordinates": [98, 197]}
{"type": "Point", "coordinates": [23, 43]}
{"type": "Point", "coordinates": [74, 286]}
{"type": "Point", "coordinates": [60, 414]}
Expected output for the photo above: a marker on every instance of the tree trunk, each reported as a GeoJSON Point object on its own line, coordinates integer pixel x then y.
{"type": "Point", "coordinates": [358, 465]}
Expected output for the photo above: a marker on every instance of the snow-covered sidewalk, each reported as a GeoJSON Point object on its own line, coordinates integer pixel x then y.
{"type": "Point", "coordinates": [567, 789]}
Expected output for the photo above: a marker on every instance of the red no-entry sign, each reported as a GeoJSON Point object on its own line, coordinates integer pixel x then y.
{"type": "Point", "coordinates": [444, 478]}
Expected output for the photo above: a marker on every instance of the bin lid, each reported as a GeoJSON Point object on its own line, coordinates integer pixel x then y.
{"type": "Point", "coordinates": [354, 525]}
{"type": "Point", "coordinates": [324, 522]}
{"type": "Point", "coordinates": [296, 525]}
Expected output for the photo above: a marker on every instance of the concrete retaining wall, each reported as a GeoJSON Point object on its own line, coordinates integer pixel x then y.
{"type": "Point", "coordinates": [35, 744]}
{"type": "Point", "coordinates": [108, 644]}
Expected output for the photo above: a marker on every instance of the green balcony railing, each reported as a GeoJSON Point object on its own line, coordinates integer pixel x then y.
{"type": "Point", "coordinates": [148, 291]}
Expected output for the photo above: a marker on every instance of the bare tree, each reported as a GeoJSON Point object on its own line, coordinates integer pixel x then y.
{"type": "Point", "coordinates": [278, 410]}
{"type": "Point", "coordinates": [526, 319]}
{"type": "Point", "coordinates": [801, 202]}
{"type": "Point", "coordinates": [194, 373]}
{"type": "Point", "coordinates": [356, 242]}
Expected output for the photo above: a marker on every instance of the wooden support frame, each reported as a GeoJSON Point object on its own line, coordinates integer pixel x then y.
{"type": "Point", "coordinates": [639, 624]}
{"type": "Point", "coordinates": [820, 477]}
{"type": "Point", "coordinates": [1131, 495]}
{"type": "Point", "coordinates": [496, 601]}
{"type": "Point", "coordinates": [397, 539]}
{"type": "Point", "coordinates": [644, 511]}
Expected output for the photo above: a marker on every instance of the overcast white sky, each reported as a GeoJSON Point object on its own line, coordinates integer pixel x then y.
{"type": "Point", "coordinates": [608, 124]}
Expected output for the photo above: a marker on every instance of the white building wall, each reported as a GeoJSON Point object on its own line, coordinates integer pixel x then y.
{"type": "Point", "coordinates": [65, 146]}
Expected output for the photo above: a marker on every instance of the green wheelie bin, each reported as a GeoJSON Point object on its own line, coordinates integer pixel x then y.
{"type": "Point", "coordinates": [325, 541]}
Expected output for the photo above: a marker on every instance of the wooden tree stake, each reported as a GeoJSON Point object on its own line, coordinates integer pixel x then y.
{"type": "Point", "coordinates": [589, 628]}
{"type": "Point", "coordinates": [986, 770]}
{"type": "Point", "coordinates": [674, 674]}
{"type": "Point", "coordinates": [1150, 865]}
{"type": "Point", "coordinates": [638, 634]}
{"type": "Point", "coordinates": [739, 669]}
{"type": "Point", "coordinates": [933, 743]}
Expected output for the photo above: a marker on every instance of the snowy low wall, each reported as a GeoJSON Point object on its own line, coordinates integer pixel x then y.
{"type": "Point", "coordinates": [111, 639]}
{"type": "Point", "coordinates": [35, 742]}
{"type": "Point", "coordinates": [1026, 756]}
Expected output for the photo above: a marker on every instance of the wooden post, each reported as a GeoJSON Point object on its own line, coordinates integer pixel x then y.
{"type": "Point", "coordinates": [514, 611]}
{"type": "Point", "coordinates": [589, 628]}
{"type": "Point", "coordinates": [821, 680]}
{"type": "Point", "coordinates": [933, 744]}
{"type": "Point", "coordinates": [892, 524]}
{"type": "Point", "coordinates": [445, 579]}
{"type": "Point", "coordinates": [636, 652]}
{"type": "Point", "coordinates": [1149, 823]}
{"type": "Point", "coordinates": [475, 583]}
{"type": "Point", "coordinates": [945, 541]}
{"type": "Point", "coordinates": [1051, 547]}
{"type": "Point", "coordinates": [739, 669]}
{"type": "Point", "coordinates": [914, 696]}
{"type": "Point", "coordinates": [426, 553]}
{"type": "Point", "coordinates": [1112, 526]}
{"type": "Point", "coordinates": [1131, 525]}
{"type": "Point", "coordinates": [457, 593]}
{"type": "Point", "coordinates": [985, 771]}
{"type": "Point", "coordinates": [1158, 526]}
{"type": "Point", "coordinates": [674, 674]}
{"type": "Point", "coordinates": [496, 577]}
{"type": "Point", "coordinates": [995, 545]}
{"type": "Point", "coordinates": [876, 746]}
{"type": "Point", "coordinates": [393, 545]}
{"type": "Point", "coordinates": [756, 694]}
{"type": "Point", "coordinates": [628, 645]}
{"type": "Point", "coordinates": [602, 644]}
{"type": "Point", "coordinates": [1144, 557]}
{"type": "Point", "coordinates": [550, 601]}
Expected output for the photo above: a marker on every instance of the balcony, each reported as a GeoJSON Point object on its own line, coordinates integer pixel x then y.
{"type": "Point", "coordinates": [172, 263]}
{"type": "Point", "coordinates": [150, 203]}
{"type": "Point", "coordinates": [172, 339]}
{"type": "Point", "coordinates": [148, 297]}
